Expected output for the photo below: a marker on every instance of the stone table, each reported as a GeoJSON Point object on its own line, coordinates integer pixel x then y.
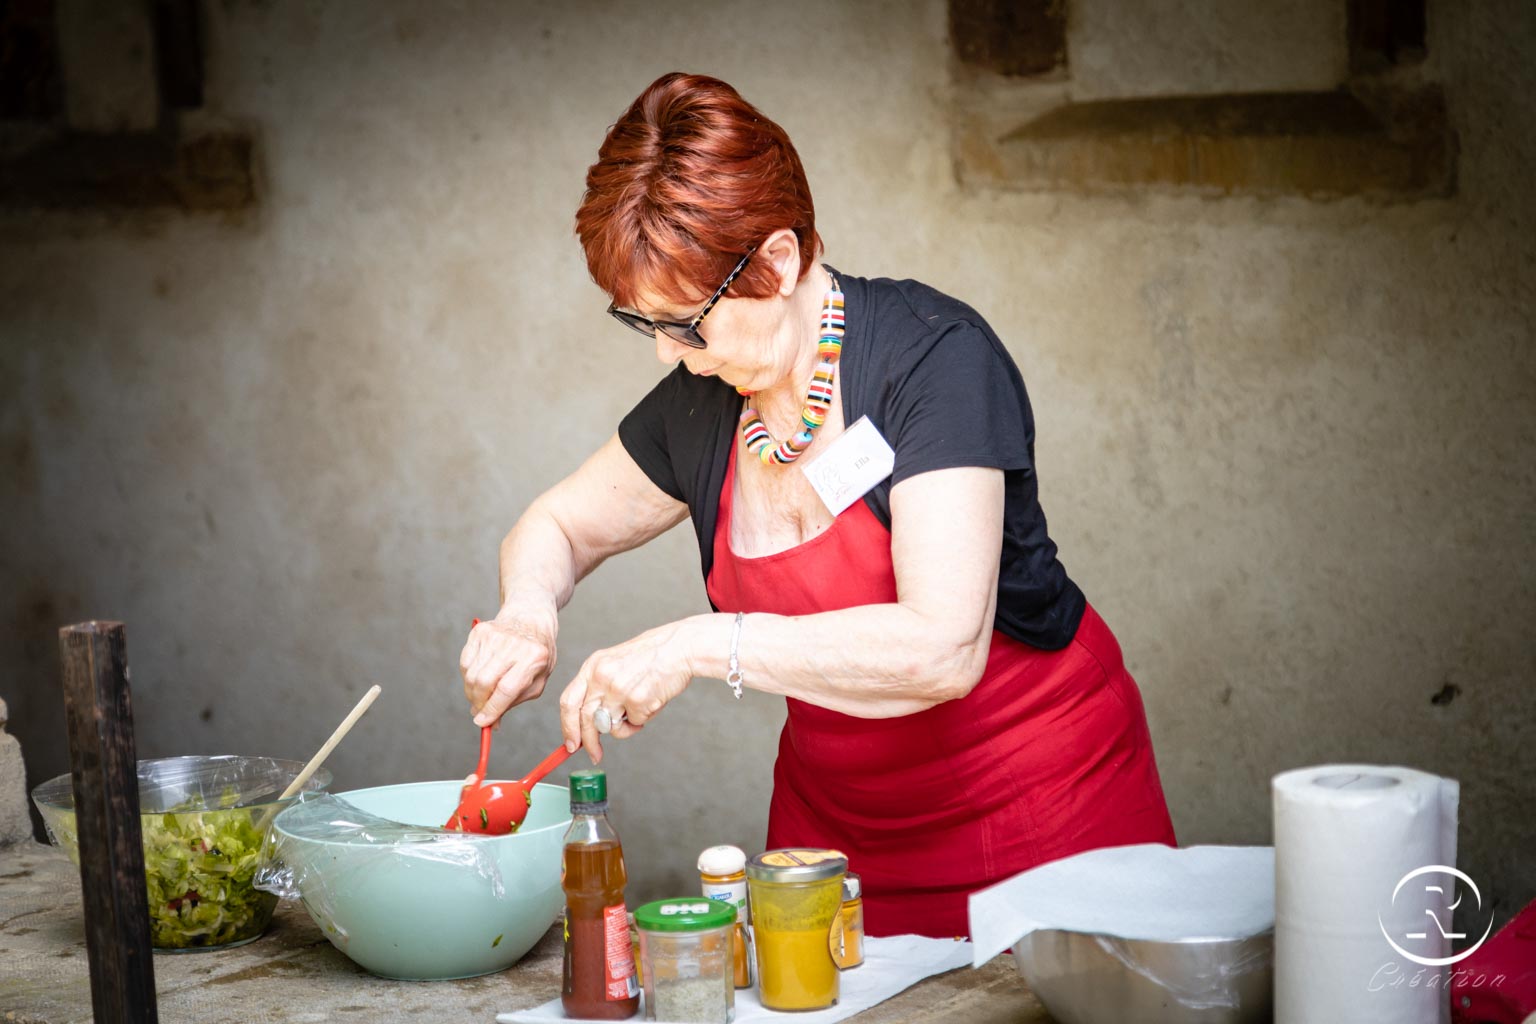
{"type": "Point", "coordinates": [292, 975]}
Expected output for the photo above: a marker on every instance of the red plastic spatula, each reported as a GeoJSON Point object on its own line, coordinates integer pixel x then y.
{"type": "Point", "coordinates": [496, 808]}
{"type": "Point", "coordinates": [476, 778]}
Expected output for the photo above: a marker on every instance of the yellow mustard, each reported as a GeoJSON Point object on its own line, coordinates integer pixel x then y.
{"type": "Point", "coordinates": [848, 935]}
{"type": "Point", "coordinates": [796, 898]}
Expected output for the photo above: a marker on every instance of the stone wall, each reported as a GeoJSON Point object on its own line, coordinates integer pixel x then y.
{"type": "Point", "coordinates": [15, 823]}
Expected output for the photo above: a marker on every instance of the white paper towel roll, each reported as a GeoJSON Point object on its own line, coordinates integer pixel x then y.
{"type": "Point", "coordinates": [1346, 836]}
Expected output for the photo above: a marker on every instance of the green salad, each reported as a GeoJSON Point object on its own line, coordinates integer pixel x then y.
{"type": "Point", "coordinates": [200, 866]}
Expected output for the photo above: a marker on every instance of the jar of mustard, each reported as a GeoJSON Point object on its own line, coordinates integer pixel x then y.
{"type": "Point", "coordinates": [796, 897]}
{"type": "Point", "coordinates": [848, 945]}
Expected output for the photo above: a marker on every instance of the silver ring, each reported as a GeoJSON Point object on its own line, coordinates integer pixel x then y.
{"type": "Point", "coordinates": [602, 721]}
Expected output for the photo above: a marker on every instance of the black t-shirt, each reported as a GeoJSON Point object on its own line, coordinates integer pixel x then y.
{"type": "Point", "coordinates": [939, 386]}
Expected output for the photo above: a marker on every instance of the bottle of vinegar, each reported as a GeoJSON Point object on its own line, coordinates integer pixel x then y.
{"type": "Point", "coordinates": [599, 975]}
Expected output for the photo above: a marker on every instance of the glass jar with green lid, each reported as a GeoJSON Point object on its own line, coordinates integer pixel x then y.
{"type": "Point", "coordinates": [686, 955]}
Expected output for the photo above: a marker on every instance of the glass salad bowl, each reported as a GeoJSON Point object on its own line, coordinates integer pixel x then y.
{"type": "Point", "coordinates": [203, 820]}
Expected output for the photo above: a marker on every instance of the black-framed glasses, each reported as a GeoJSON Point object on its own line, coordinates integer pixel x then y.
{"type": "Point", "coordinates": [687, 333]}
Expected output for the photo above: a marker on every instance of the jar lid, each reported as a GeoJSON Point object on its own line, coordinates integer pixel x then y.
{"type": "Point", "coordinates": [589, 786]}
{"type": "Point", "coordinates": [796, 865]}
{"type": "Point", "coordinates": [685, 914]}
{"type": "Point", "coordinates": [722, 860]}
{"type": "Point", "coordinates": [852, 888]}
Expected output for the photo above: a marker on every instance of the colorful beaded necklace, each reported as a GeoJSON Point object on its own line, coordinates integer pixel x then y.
{"type": "Point", "coordinates": [818, 397]}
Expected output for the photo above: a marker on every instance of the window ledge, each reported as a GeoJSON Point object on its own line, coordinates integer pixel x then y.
{"type": "Point", "coordinates": [207, 172]}
{"type": "Point", "coordinates": [1387, 146]}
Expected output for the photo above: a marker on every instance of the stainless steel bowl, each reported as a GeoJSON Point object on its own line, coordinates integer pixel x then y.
{"type": "Point", "coordinates": [1098, 979]}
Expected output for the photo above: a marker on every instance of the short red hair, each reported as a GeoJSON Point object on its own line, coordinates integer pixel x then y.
{"type": "Point", "coordinates": [687, 180]}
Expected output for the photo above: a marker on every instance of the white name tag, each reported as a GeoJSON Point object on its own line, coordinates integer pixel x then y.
{"type": "Point", "coordinates": [848, 467]}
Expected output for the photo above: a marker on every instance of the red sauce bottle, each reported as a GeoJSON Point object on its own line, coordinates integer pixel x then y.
{"type": "Point", "coordinates": [598, 980]}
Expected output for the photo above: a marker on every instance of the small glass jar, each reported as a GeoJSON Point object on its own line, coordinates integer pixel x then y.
{"type": "Point", "coordinates": [723, 876]}
{"type": "Point", "coordinates": [797, 897]}
{"type": "Point", "coordinates": [850, 947]}
{"type": "Point", "coordinates": [686, 954]}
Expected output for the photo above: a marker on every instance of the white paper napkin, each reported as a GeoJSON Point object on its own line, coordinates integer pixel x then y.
{"type": "Point", "coordinates": [891, 964]}
{"type": "Point", "coordinates": [1147, 891]}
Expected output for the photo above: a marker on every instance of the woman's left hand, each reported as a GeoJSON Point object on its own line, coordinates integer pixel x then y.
{"type": "Point", "coordinates": [633, 681]}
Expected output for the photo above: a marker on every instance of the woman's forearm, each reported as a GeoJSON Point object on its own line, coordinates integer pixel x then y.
{"type": "Point", "coordinates": [538, 564]}
{"type": "Point", "coordinates": [872, 661]}
{"type": "Point", "coordinates": [606, 507]}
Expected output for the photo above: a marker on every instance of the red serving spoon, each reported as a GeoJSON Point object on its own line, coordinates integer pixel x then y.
{"type": "Point", "coordinates": [496, 808]}
{"type": "Point", "coordinates": [485, 756]}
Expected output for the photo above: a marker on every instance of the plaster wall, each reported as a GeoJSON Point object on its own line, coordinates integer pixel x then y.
{"type": "Point", "coordinates": [1285, 446]}
{"type": "Point", "coordinates": [1118, 50]}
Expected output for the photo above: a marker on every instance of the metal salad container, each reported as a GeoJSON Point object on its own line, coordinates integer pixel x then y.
{"type": "Point", "coordinates": [1098, 979]}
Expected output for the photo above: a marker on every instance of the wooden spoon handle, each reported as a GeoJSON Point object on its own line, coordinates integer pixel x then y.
{"type": "Point", "coordinates": [546, 766]}
{"type": "Point", "coordinates": [330, 744]}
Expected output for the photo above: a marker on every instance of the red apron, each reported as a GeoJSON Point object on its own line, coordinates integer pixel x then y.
{"type": "Point", "coordinates": [1048, 756]}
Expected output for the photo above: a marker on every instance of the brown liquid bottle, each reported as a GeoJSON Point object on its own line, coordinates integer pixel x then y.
{"type": "Point", "coordinates": [598, 980]}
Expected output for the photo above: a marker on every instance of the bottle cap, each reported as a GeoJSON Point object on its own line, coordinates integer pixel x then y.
{"type": "Point", "coordinates": [852, 888]}
{"type": "Point", "coordinates": [689, 914]}
{"type": "Point", "coordinates": [797, 865]}
{"type": "Point", "coordinates": [722, 860]}
{"type": "Point", "coordinates": [589, 786]}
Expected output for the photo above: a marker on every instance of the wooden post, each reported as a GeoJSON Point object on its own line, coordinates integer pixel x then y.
{"type": "Point", "coordinates": [106, 784]}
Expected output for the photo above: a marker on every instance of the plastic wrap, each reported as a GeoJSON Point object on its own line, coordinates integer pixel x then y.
{"type": "Point", "coordinates": [300, 861]}
{"type": "Point", "coordinates": [201, 820]}
{"type": "Point", "coordinates": [1200, 976]}
{"type": "Point", "coordinates": [198, 783]}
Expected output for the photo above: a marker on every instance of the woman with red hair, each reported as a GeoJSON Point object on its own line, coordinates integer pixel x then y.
{"type": "Point", "coordinates": [857, 457]}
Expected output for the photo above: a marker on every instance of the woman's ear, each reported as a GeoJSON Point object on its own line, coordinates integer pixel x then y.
{"type": "Point", "coordinates": [782, 250]}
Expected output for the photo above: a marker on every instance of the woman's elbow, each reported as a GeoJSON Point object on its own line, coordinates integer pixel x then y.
{"type": "Point", "coordinates": [957, 666]}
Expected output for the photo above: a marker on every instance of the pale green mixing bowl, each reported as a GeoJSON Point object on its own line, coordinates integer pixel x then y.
{"type": "Point", "coordinates": [427, 908]}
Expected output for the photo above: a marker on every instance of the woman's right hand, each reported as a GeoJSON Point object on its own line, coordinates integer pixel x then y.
{"type": "Point", "coordinates": [508, 659]}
